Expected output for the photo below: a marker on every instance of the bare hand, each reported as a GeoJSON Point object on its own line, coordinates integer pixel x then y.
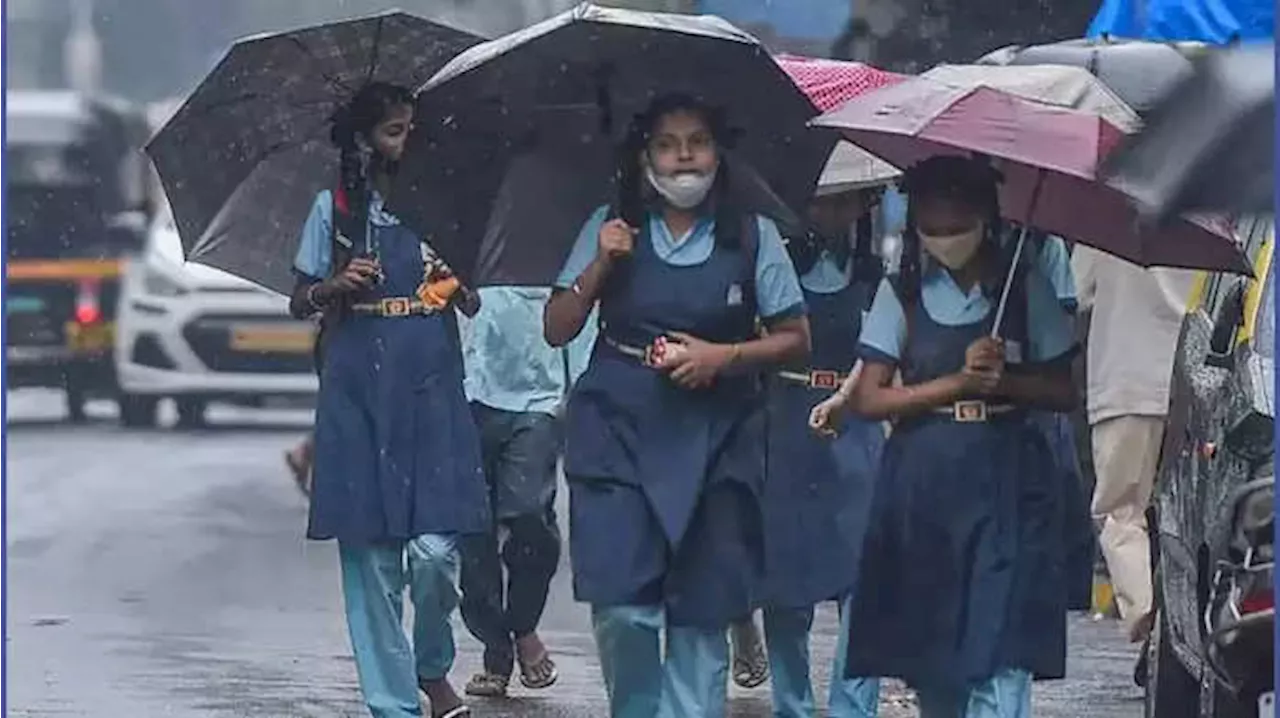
{"type": "Point", "coordinates": [983, 366]}
{"type": "Point", "coordinates": [693, 363]}
{"type": "Point", "coordinates": [617, 238]}
{"type": "Point", "coordinates": [825, 417]}
{"type": "Point", "coordinates": [359, 274]}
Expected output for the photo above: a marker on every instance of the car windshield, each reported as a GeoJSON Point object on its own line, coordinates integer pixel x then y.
{"type": "Point", "coordinates": [1265, 334]}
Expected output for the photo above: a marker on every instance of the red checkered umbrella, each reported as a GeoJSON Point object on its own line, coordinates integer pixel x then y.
{"type": "Point", "coordinates": [831, 83]}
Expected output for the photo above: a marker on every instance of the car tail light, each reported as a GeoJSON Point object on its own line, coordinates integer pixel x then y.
{"type": "Point", "coordinates": [88, 310]}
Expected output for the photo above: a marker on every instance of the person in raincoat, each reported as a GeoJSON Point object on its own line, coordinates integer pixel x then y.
{"type": "Point", "coordinates": [818, 490]}
{"type": "Point", "coordinates": [960, 590]}
{"type": "Point", "coordinates": [397, 473]}
{"type": "Point", "coordinates": [665, 428]}
{"type": "Point", "coordinates": [516, 384]}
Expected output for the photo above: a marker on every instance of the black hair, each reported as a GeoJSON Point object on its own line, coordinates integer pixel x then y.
{"type": "Point", "coordinates": [969, 181]}
{"type": "Point", "coordinates": [806, 250]}
{"type": "Point", "coordinates": [632, 197]}
{"type": "Point", "coordinates": [352, 124]}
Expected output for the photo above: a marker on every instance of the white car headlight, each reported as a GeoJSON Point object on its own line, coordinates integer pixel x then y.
{"type": "Point", "coordinates": [157, 282]}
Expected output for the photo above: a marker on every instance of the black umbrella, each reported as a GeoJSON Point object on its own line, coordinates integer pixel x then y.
{"type": "Point", "coordinates": [1210, 145]}
{"type": "Point", "coordinates": [1139, 72]}
{"type": "Point", "coordinates": [572, 84]}
{"type": "Point", "coordinates": [243, 158]}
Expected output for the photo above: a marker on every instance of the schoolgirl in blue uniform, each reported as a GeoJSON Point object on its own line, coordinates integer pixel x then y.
{"type": "Point", "coordinates": [665, 453]}
{"type": "Point", "coordinates": [961, 589]}
{"type": "Point", "coordinates": [818, 492]}
{"type": "Point", "coordinates": [397, 463]}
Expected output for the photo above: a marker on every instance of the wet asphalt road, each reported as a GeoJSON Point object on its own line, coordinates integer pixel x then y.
{"type": "Point", "coordinates": [163, 573]}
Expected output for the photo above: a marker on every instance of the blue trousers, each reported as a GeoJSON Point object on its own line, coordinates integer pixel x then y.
{"type": "Point", "coordinates": [691, 681]}
{"type": "Point", "coordinates": [786, 632]}
{"type": "Point", "coordinates": [373, 582]}
{"type": "Point", "coordinates": [1007, 694]}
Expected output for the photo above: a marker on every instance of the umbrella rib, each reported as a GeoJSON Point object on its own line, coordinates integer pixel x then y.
{"type": "Point", "coordinates": [377, 50]}
{"type": "Point", "coordinates": [335, 83]}
{"type": "Point", "coordinates": [254, 96]}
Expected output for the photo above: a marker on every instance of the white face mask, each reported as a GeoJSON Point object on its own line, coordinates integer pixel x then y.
{"type": "Point", "coordinates": [953, 251]}
{"type": "Point", "coordinates": [684, 190]}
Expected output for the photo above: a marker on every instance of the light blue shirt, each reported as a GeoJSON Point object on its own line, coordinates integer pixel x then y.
{"type": "Point", "coordinates": [826, 276]}
{"type": "Point", "coordinates": [777, 286]}
{"type": "Point", "coordinates": [315, 246]}
{"type": "Point", "coordinates": [884, 330]}
{"type": "Point", "coordinates": [893, 210]}
{"type": "Point", "coordinates": [1055, 260]}
{"type": "Point", "coordinates": [509, 366]}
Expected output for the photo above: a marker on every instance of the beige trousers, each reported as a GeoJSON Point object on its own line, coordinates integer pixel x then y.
{"type": "Point", "coordinates": [1126, 450]}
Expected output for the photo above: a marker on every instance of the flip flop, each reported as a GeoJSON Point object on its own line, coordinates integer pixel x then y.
{"type": "Point", "coordinates": [751, 673]}
{"type": "Point", "coordinates": [487, 685]}
{"type": "Point", "coordinates": [461, 711]}
{"type": "Point", "coordinates": [750, 664]}
{"type": "Point", "coordinates": [546, 670]}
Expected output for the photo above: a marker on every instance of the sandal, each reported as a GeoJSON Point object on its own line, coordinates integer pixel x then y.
{"type": "Point", "coordinates": [540, 674]}
{"type": "Point", "coordinates": [461, 711]}
{"type": "Point", "coordinates": [750, 663]}
{"type": "Point", "coordinates": [487, 685]}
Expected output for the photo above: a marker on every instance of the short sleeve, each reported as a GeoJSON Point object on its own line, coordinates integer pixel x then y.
{"type": "Point", "coordinates": [884, 328]}
{"type": "Point", "coordinates": [1055, 262]}
{"type": "Point", "coordinates": [584, 249]}
{"type": "Point", "coordinates": [315, 245]}
{"type": "Point", "coordinates": [1049, 325]}
{"type": "Point", "coordinates": [778, 293]}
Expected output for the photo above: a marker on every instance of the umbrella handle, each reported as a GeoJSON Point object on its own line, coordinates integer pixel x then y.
{"type": "Point", "coordinates": [1017, 257]}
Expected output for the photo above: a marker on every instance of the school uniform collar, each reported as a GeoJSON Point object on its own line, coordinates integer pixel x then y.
{"type": "Point", "coordinates": [378, 215]}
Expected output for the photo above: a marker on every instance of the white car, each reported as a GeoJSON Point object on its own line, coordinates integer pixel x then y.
{"type": "Point", "coordinates": [196, 334]}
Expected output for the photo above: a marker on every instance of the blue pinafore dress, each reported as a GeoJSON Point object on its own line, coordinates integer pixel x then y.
{"type": "Point", "coordinates": [397, 455]}
{"type": "Point", "coordinates": [817, 491]}
{"type": "Point", "coordinates": [664, 482]}
{"type": "Point", "coordinates": [962, 568]}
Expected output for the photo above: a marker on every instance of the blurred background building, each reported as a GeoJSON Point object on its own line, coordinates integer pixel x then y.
{"type": "Point", "coordinates": [153, 49]}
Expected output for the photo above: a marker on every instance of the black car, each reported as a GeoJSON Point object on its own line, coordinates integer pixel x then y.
{"type": "Point", "coordinates": [1212, 650]}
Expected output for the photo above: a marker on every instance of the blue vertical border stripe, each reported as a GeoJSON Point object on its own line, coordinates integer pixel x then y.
{"type": "Point", "coordinates": [4, 399]}
{"type": "Point", "coordinates": [1276, 203]}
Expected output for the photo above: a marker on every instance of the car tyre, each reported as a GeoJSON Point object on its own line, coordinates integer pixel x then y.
{"type": "Point", "coordinates": [1170, 691]}
{"type": "Point", "coordinates": [191, 413]}
{"type": "Point", "coordinates": [138, 412]}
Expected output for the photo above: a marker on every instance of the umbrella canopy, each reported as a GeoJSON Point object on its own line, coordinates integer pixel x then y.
{"type": "Point", "coordinates": [1049, 156]}
{"type": "Point", "coordinates": [243, 158]}
{"type": "Point", "coordinates": [829, 84]}
{"type": "Point", "coordinates": [1215, 21]}
{"type": "Point", "coordinates": [1210, 146]}
{"type": "Point", "coordinates": [1062, 85]}
{"type": "Point", "coordinates": [1139, 72]}
{"type": "Point", "coordinates": [574, 83]}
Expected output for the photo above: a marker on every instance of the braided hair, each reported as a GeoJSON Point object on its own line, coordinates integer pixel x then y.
{"type": "Point", "coordinates": [634, 197]}
{"type": "Point", "coordinates": [972, 182]}
{"type": "Point", "coordinates": [351, 132]}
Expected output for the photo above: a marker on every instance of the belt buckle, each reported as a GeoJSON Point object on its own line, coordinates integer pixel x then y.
{"type": "Point", "coordinates": [973, 411]}
{"type": "Point", "coordinates": [394, 307]}
{"type": "Point", "coordinates": [824, 379]}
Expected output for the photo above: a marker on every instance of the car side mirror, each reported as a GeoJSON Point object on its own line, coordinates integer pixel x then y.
{"type": "Point", "coordinates": [1225, 325]}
